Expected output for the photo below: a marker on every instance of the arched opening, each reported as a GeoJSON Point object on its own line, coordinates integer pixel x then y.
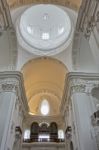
{"type": "Point", "coordinates": [44, 83]}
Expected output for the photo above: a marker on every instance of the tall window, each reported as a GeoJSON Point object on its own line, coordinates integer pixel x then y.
{"type": "Point", "coordinates": [44, 107]}
{"type": "Point", "coordinates": [27, 134]}
{"type": "Point", "coordinates": [61, 134]}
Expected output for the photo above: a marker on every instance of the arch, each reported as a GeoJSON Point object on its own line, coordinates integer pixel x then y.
{"type": "Point", "coordinates": [44, 79]}
{"type": "Point", "coordinates": [44, 58]}
{"type": "Point", "coordinates": [54, 131]}
{"type": "Point", "coordinates": [70, 3]}
{"type": "Point", "coordinates": [34, 131]}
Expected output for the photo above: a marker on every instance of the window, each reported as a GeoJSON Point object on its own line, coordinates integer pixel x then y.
{"type": "Point", "coordinates": [44, 107]}
{"type": "Point", "coordinates": [61, 134]}
{"type": "Point", "coordinates": [45, 36]}
{"type": "Point", "coordinates": [27, 134]}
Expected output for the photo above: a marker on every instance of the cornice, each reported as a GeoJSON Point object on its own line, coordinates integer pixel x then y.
{"type": "Point", "coordinates": [54, 118]}
{"type": "Point", "coordinates": [82, 75]}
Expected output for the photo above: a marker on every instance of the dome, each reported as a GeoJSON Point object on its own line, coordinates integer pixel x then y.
{"type": "Point", "coordinates": [45, 27]}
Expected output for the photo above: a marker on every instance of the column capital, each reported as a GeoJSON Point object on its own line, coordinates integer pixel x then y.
{"type": "Point", "coordinates": [82, 82]}
{"type": "Point", "coordinates": [83, 85]}
{"type": "Point", "coordinates": [12, 81]}
{"type": "Point", "coordinates": [77, 82]}
{"type": "Point", "coordinates": [8, 85]}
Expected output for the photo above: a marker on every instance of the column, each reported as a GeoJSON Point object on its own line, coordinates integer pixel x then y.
{"type": "Point", "coordinates": [78, 108]}
{"type": "Point", "coordinates": [11, 96]}
{"type": "Point", "coordinates": [81, 114]}
{"type": "Point", "coordinates": [7, 102]}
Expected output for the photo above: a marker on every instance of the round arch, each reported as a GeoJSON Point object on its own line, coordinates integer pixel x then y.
{"type": "Point", "coordinates": [44, 79]}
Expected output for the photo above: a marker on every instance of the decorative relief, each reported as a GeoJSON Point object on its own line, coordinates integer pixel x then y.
{"type": "Point", "coordinates": [18, 132]}
{"type": "Point", "coordinates": [83, 86]}
{"type": "Point", "coordinates": [95, 118]}
{"type": "Point", "coordinates": [78, 83]}
{"type": "Point", "coordinates": [95, 123]}
{"type": "Point", "coordinates": [88, 17]}
{"type": "Point", "coordinates": [68, 133]}
{"type": "Point", "coordinates": [8, 85]}
{"type": "Point", "coordinates": [78, 88]}
{"type": "Point", "coordinates": [13, 82]}
{"type": "Point", "coordinates": [5, 17]}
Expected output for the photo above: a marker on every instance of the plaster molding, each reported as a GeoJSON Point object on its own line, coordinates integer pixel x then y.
{"type": "Point", "coordinates": [88, 19]}
{"type": "Point", "coordinates": [83, 86]}
{"type": "Point", "coordinates": [8, 85]}
{"type": "Point", "coordinates": [13, 82]}
{"type": "Point", "coordinates": [44, 92]}
{"type": "Point", "coordinates": [78, 83]}
{"type": "Point", "coordinates": [67, 3]}
{"type": "Point", "coordinates": [5, 16]}
{"type": "Point", "coordinates": [86, 23]}
{"type": "Point", "coordinates": [40, 51]}
{"type": "Point", "coordinates": [32, 118]}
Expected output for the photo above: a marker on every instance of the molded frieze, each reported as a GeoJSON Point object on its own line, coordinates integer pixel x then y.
{"type": "Point", "coordinates": [12, 81]}
{"type": "Point", "coordinates": [78, 83]}
{"type": "Point", "coordinates": [83, 86]}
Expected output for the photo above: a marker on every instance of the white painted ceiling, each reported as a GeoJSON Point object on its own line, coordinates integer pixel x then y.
{"type": "Point", "coordinates": [45, 28]}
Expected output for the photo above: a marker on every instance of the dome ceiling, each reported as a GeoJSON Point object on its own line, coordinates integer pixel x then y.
{"type": "Point", "coordinates": [41, 32]}
{"type": "Point", "coordinates": [44, 79]}
{"type": "Point", "coordinates": [42, 29]}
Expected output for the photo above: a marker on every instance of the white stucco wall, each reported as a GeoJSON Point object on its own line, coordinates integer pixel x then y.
{"type": "Point", "coordinates": [8, 51]}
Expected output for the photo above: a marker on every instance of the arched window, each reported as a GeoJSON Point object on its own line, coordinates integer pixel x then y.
{"type": "Point", "coordinates": [27, 134]}
{"type": "Point", "coordinates": [61, 134]}
{"type": "Point", "coordinates": [44, 107]}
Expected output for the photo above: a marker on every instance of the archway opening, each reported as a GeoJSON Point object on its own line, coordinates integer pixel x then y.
{"type": "Point", "coordinates": [44, 83]}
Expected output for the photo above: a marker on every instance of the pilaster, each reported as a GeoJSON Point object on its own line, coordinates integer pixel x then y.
{"type": "Point", "coordinates": [13, 107]}
{"type": "Point", "coordinates": [78, 96]}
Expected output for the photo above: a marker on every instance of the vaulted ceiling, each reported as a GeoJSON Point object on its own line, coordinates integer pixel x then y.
{"type": "Point", "coordinates": [44, 79]}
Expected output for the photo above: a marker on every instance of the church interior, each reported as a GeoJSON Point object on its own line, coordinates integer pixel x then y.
{"type": "Point", "coordinates": [49, 74]}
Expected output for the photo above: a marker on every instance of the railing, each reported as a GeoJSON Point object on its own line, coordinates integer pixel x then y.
{"type": "Point", "coordinates": [43, 140]}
